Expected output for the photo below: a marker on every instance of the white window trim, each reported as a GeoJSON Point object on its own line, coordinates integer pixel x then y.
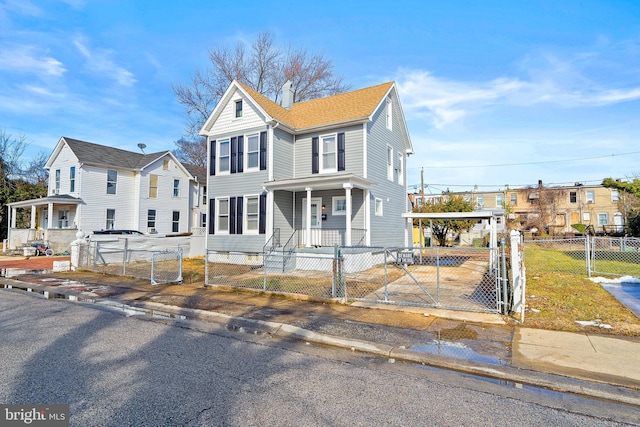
{"type": "Point", "coordinates": [245, 215]}
{"type": "Point", "coordinates": [107, 219]}
{"type": "Point", "coordinates": [607, 216]}
{"type": "Point", "coordinates": [401, 168]}
{"type": "Point", "coordinates": [498, 200]}
{"type": "Point", "coordinates": [378, 202]}
{"type": "Point", "coordinates": [217, 218]}
{"type": "Point", "coordinates": [246, 153]}
{"type": "Point", "coordinates": [615, 196]}
{"type": "Point", "coordinates": [219, 170]}
{"type": "Point", "coordinates": [173, 188]}
{"type": "Point", "coordinates": [586, 216]}
{"type": "Point", "coordinates": [591, 199]}
{"type": "Point", "coordinates": [235, 109]}
{"type": "Point", "coordinates": [321, 153]}
{"type": "Point", "coordinates": [389, 163]}
{"type": "Point", "coordinates": [389, 114]}
{"type": "Point", "coordinates": [334, 204]}
{"type": "Point", "coordinates": [115, 182]}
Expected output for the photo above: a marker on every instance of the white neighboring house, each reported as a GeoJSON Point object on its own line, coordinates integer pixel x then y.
{"type": "Point", "coordinates": [95, 187]}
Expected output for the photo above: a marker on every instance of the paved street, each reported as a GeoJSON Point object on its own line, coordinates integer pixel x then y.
{"type": "Point", "coordinates": [117, 370]}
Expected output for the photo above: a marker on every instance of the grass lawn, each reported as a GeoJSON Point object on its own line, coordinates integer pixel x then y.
{"type": "Point", "coordinates": [559, 293]}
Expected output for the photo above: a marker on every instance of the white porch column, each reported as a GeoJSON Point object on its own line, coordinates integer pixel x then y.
{"type": "Point", "coordinates": [347, 193]}
{"type": "Point", "coordinates": [308, 230]}
{"type": "Point", "coordinates": [13, 217]}
{"type": "Point", "coordinates": [50, 216]}
{"type": "Point", "coordinates": [33, 216]}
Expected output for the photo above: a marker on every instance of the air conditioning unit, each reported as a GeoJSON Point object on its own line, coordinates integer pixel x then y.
{"type": "Point", "coordinates": [589, 201]}
{"type": "Point", "coordinates": [151, 231]}
{"type": "Point", "coordinates": [55, 191]}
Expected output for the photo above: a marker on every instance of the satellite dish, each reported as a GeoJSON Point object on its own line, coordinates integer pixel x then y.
{"type": "Point", "coordinates": [142, 146]}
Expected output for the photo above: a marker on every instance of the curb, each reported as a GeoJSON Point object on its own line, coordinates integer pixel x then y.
{"type": "Point", "coordinates": [280, 330]}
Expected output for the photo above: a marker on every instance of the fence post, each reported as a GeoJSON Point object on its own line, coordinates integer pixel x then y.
{"type": "Point", "coordinates": [124, 258]}
{"type": "Point", "coordinates": [334, 282]}
{"type": "Point", "coordinates": [206, 267]}
{"type": "Point", "coordinates": [386, 295]}
{"type": "Point", "coordinates": [503, 278]}
{"type": "Point", "coordinates": [518, 274]}
{"type": "Point", "coordinates": [587, 254]}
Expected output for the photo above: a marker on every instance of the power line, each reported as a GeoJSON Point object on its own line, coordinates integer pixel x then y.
{"type": "Point", "coordinates": [532, 163]}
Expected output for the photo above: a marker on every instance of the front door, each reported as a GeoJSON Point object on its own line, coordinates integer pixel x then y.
{"type": "Point", "coordinates": [315, 239]}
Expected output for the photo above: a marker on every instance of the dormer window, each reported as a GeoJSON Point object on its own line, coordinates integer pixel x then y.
{"type": "Point", "coordinates": [239, 108]}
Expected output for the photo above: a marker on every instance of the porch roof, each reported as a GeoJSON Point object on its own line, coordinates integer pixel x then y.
{"type": "Point", "coordinates": [63, 199]}
{"type": "Point", "coordinates": [455, 215]}
{"type": "Point", "coordinates": [319, 182]}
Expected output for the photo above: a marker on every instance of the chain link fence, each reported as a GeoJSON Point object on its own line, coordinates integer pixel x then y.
{"type": "Point", "coordinates": [586, 255]}
{"type": "Point", "coordinates": [117, 258]}
{"type": "Point", "coordinates": [454, 278]}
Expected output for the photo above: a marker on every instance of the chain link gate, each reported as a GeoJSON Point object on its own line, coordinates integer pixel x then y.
{"type": "Point", "coordinates": [166, 266]}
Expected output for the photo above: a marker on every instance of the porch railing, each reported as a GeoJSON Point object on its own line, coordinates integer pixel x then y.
{"type": "Point", "coordinates": [331, 237]}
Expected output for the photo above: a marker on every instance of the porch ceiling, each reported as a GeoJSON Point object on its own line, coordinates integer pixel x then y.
{"type": "Point", "coordinates": [44, 201]}
{"type": "Point", "coordinates": [318, 182]}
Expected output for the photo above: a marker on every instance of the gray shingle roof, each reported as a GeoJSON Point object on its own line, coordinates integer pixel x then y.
{"type": "Point", "coordinates": [96, 154]}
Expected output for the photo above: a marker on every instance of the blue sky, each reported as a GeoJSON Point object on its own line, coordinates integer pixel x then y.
{"type": "Point", "coordinates": [494, 92]}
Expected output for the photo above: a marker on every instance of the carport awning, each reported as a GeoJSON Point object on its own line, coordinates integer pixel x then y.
{"type": "Point", "coordinates": [318, 182]}
{"type": "Point", "coordinates": [455, 215]}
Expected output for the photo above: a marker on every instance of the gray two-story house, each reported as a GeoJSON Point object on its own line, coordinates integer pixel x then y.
{"type": "Point", "coordinates": [329, 171]}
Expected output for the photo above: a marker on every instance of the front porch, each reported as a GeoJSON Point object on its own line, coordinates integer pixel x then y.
{"type": "Point", "coordinates": [51, 219]}
{"type": "Point", "coordinates": [323, 211]}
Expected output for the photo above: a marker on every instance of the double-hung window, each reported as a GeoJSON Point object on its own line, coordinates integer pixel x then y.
{"type": "Point", "coordinates": [176, 188]}
{"type": "Point", "coordinates": [591, 197]}
{"type": "Point", "coordinates": [498, 200]}
{"type": "Point", "coordinates": [389, 115]}
{"type": "Point", "coordinates": [175, 222]}
{"type": "Point", "coordinates": [224, 158]}
{"type": "Point", "coordinates": [389, 163]}
{"type": "Point", "coordinates": [338, 205]}
{"type": "Point", "coordinates": [223, 215]}
{"type": "Point", "coordinates": [328, 153]}
{"type": "Point", "coordinates": [573, 197]}
{"type": "Point", "coordinates": [513, 199]}
{"type": "Point", "coordinates": [615, 196]}
{"type": "Point", "coordinates": [252, 214]}
{"type": "Point", "coordinates": [253, 151]}
{"type": "Point", "coordinates": [112, 181]}
{"type": "Point", "coordinates": [480, 201]}
{"type": "Point", "coordinates": [603, 219]}
{"type": "Point", "coordinates": [57, 180]}
{"type": "Point", "coordinates": [111, 219]}
{"type": "Point", "coordinates": [239, 108]}
{"type": "Point", "coordinates": [151, 218]}
{"type": "Point", "coordinates": [378, 207]}
{"type": "Point", "coordinates": [72, 179]}
{"type": "Point", "coordinates": [400, 168]}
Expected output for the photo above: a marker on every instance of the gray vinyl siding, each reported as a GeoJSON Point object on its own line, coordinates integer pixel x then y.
{"type": "Point", "coordinates": [388, 229]}
{"type": "Point", "coordinates": [283, 158]}
{"type": "Point", "coordinates": [334, 221]}
{"type": "Point", "coordinates": [283, 214]}
{"type": "Point", "coordinates": [236, 185]}
{"type": "Point", "coordinates": [353, 151]}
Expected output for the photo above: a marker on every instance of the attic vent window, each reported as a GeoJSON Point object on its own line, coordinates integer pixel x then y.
{"type": "Point", "coordinates": [165, 164]}
{"type": "Point", "coordinates": [239, 108]}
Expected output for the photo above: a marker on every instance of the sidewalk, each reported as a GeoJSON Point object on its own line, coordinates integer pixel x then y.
{"type": "Point", "coordinates": [596, 365]}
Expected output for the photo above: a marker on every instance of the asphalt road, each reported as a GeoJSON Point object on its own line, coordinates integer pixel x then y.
{"type": "Point", "coordinates": [116, 371]}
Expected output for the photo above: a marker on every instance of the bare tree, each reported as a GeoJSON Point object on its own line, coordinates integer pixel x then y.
{"type": "Point", "coordinates": [264, 67]}
{"type": "Point", "coordinates": [193, 152]}
{"type": "Point", "coordinates": [546, 201]}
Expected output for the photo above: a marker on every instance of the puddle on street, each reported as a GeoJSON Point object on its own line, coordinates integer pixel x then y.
{"type": "Point", "coordinates": [457, 350]}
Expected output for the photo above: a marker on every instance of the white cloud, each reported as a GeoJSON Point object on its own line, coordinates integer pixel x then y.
{"type": "Point", "coordinates": [29, 59]}
{"type": "Point", "coordinates": [578, 81]}
{"type": "Point", "coordinates": [99, 61]}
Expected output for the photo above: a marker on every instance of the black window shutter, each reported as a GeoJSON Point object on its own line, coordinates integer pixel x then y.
{"type": "Point", "coordinates": [341, 151]}
{"type": "Point", "coordinates": [315, 155]}
{"type": "Point", "coordinates": [234, 154]}
{"type": "Point", "coordinates": [240, 154]}
{"type": "Point", "coordinates": [232, 215]}
{"type": "Point", "coordinates": [262, 224]}
{"type": "Point", "coordinates": [212, 216]}
{"type": "Point", "coordinates": [212, 158]}
{"type": "Point", "coordinates": [239, 215]}
{"type": "Point", "coordinates": [263, 151]}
